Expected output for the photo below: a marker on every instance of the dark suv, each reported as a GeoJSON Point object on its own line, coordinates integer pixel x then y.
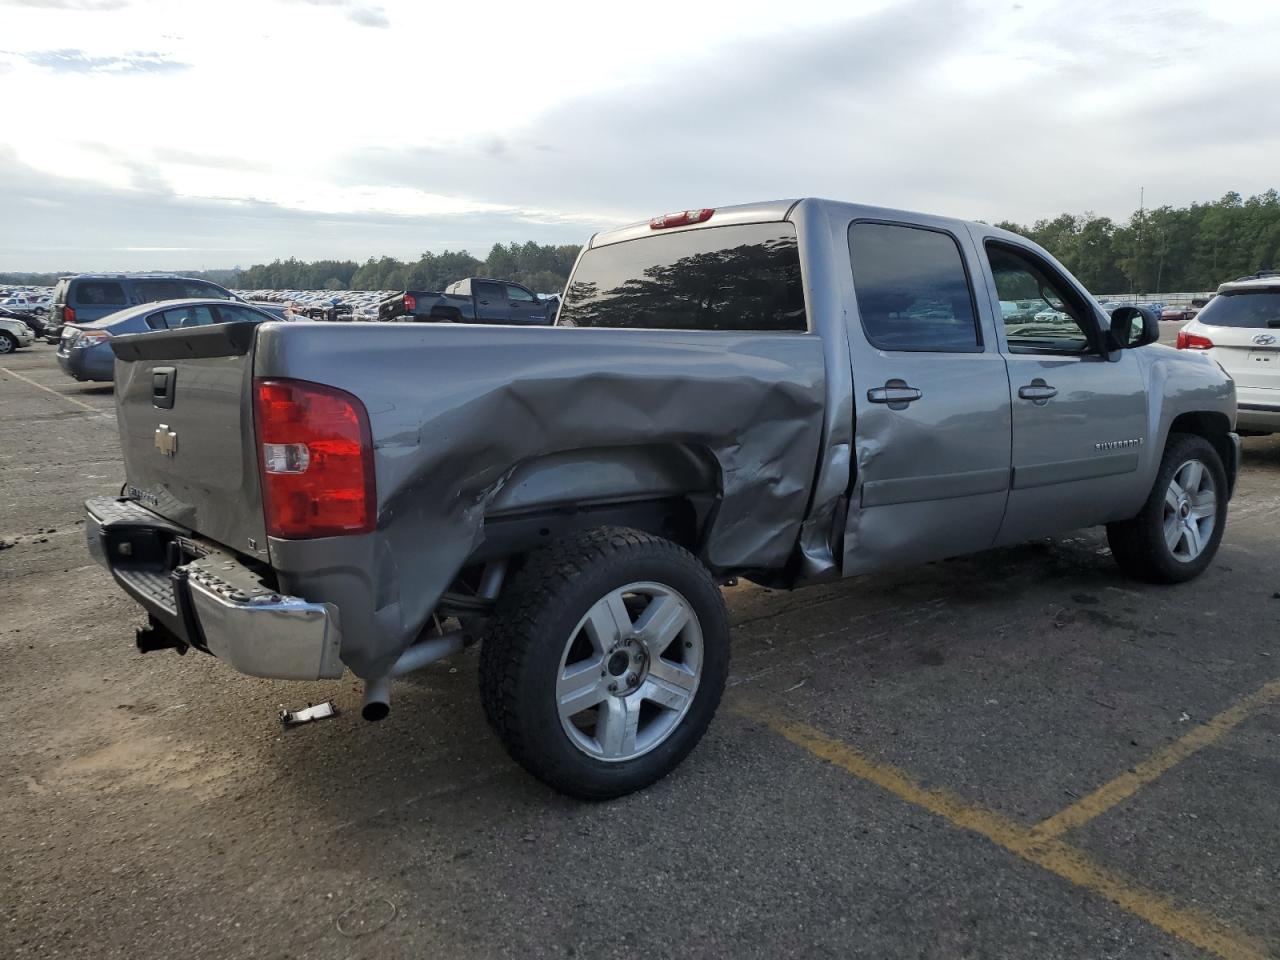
{"type": "Point", "coordinates": [92, 296]}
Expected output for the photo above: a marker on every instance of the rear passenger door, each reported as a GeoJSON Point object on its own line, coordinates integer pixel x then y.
{"type": "Point", "coordinates": [931, 399]}
{"type": "Point", "coordinates": [490, 301]}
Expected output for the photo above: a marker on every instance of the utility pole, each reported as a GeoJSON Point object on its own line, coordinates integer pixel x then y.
{"type": "Point", "coordinates": [1142, 222]}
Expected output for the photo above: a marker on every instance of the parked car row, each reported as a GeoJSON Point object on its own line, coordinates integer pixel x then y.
{"type": "Point", "coordinates": [86, 311]}
{"type": "Point", "coordinates": [323, 304]}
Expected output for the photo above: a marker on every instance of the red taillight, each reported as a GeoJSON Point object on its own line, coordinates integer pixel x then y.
{"type": "Point", "coordinates": [68, 315]}
{"type": "Point", "coordinates": [316, 456]}
{"type": "Point", "coordinates": [681, 219]}
{"type": "Point", "coordinates": [1193, 341]}
{"type": "Point", "coordinates": [410, 303]}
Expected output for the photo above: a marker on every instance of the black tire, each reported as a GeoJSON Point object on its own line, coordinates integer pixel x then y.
{"type": "Point", "coordinates": [1139, 544]}
{"type": "Point", "coordinates": [534, 621]}
{"type": "Point", "coordinates": [8, 343]}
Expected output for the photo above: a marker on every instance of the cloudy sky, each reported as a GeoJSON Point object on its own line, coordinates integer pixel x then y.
{"type": "Point", "coordinates": [198, 134]}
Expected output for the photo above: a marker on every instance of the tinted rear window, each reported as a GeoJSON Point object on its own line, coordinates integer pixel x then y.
{"type": "Point", "coordinates": [100, 293]}
{"type": "Point", "coordinates": [1260, 309]}
{"type": "Point", "coordinates": [743, 277]}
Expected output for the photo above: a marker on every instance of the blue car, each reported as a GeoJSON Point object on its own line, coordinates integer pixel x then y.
{"type": "Point", "coordinates": [84, 352]}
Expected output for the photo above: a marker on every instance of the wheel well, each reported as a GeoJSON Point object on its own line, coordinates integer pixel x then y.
{"type": "Point", "coordinates": [669, 490]}
{"type": "Point", "coordinates": [445, 313]}
{"type": "Point", "coordinates": [1214, 427]}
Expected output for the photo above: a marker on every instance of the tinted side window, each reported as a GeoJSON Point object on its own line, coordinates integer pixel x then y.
{"type": "Point", "coordinates": [186, 317]}
{"type": "Point", "coordinates": [232, 314]}
{"type": "Point", "coordinates": [194, 289]}
{"type": "Point", "coordinates": [743, 277]}
{"type": "Point", "coordinates": [1041, 313]}
{"type": "Point", "coordinates": [519, 293]}
{"type": "Point", "coordinates": [149, 291]}
{"type": "Point", "coordinates": [100, 293]}
{"type": "Point", "coordinates": [912, 289]}
{"type": "Point", "coordinates": [488, 291]}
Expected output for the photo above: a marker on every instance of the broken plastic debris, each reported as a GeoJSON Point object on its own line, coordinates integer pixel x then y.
{"type": "Point", "coordinates": [291, 718]}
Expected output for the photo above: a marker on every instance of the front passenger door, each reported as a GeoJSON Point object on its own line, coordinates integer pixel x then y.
{"type": "Point", "coordinates": [525, 307]}
{"type": "Point", "coordinates": [1079, 413]}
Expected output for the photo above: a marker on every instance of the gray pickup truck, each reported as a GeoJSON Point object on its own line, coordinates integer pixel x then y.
{"type": "Point", "coordinates": [473, 300]}
{"type": "Point", "coordinates": [790, 392]}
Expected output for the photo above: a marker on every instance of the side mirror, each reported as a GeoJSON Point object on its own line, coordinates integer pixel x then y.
{"type": "Point", "coordinates": [1133, 327]}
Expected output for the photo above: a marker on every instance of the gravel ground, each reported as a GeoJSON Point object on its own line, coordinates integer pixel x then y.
{"type": "Point", "coordinates": [153, 807]}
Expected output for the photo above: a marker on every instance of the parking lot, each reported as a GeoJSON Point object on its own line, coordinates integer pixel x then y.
{"type": "Point", "coordinates": [1016, 754]}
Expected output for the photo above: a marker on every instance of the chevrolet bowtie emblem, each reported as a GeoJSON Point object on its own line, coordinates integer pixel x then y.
{"type": "Point", "coordinates": [166, 440]}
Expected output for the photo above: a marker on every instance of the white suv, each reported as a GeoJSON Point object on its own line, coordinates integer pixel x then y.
{"type": "Point", "coordinates": [1240, 328]}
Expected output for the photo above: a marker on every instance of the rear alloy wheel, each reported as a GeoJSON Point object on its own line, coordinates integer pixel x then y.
{"type": "Point", "coordinates": [629, 672]}
{"type": "Point", "coordinates": [1176, 534]}
{"type": "Point", "coordinates": [8, 343]}
{"type": "Point", "coordinates": [605, 662]}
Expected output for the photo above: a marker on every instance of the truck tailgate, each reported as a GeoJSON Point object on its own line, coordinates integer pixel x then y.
{"type": "Point", "coordinates": [184, 403]}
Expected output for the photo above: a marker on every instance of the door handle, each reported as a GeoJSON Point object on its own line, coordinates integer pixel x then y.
{"type": "Point", "coordinates": [1038, 392]}
{"type": "Point", "coordinates": [896, 393]}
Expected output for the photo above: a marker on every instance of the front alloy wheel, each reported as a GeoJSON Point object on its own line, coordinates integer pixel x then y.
{"type": "Point", "coordinates": [1176, 533]}
{"type": "Point", "coordinates": [1190, 511]}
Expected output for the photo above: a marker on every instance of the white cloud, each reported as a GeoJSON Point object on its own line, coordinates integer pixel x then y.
{"type": "Point", "coordinates": [541, 120]}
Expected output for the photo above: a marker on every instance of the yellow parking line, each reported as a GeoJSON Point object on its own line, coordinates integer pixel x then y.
{"type": "Point", "coordinates": [41, 386]}
{"type": "Point", "coordinates": [1193, 926]}
{"type": "Point", "coordinates": [1127, 784]}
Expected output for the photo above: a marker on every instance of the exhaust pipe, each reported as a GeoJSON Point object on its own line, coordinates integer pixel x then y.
{"type": "Point", "coordinates": [377, 691]}
{"type": "Point", "coordinates": [377, 699]}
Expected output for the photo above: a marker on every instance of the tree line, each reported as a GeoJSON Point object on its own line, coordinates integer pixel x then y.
{"type": "Point", "coordinates": [1165, 249]}
{"type": "Point", "coordinates": [543, 268]}
{"type": "Point", "coordinates": [1162, 250]}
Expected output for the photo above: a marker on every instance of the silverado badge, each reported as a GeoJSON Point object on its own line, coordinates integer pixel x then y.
{"type": "Point", "coordinates": [166, 440]}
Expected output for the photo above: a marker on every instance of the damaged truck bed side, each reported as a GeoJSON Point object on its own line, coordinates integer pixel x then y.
{"type": "Point", "coordinates": [791, 391]}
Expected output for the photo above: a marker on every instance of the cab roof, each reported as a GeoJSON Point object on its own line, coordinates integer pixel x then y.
{"type": "Point", "coordinates": [776, 210]}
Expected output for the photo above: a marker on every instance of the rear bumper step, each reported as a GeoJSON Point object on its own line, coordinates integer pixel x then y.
{"type": "Point", "coordinates": [204, 597]}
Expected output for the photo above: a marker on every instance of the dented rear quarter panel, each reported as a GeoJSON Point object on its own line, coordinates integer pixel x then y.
{"type": "Point", "coordinates": [455, 409]}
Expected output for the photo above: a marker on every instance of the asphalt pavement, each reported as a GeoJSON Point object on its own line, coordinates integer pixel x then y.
{"type": "Point", "coordinates": [1018, 754]}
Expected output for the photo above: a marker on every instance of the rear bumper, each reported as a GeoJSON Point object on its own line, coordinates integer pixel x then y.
{"type": "Point", "coordinates": [208, 599]}
{"type": "Point", "coordinates": [94, 363]}
{"type": "Point", "coordinates": [1259, 417]}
